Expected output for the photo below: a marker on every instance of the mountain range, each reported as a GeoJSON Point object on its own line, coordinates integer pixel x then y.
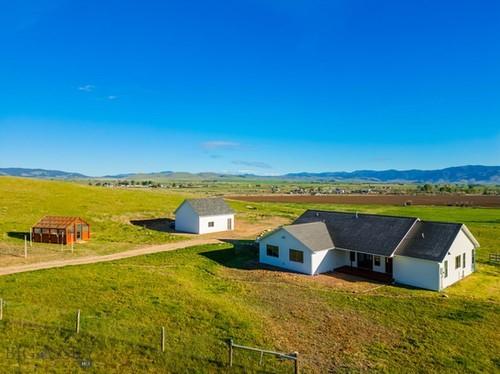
{"type": "Point", "coordinates": [459, 174]}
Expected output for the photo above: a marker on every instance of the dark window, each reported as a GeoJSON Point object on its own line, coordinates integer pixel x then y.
{"type": "Point", "coordinates": [296, 256]}
{"type": "Point", "coordinates": [463, 260]}
{"type": "Point", "coordinates": [446, 269]}
{"type": "Point", "coordinates": [376, 260]}
{"type": "Point", "coordinates": [457, 262]}
{"type": "Point", "coordinates": [211, 224]}
{"type": "Point", "coordinates": [353, 256]}
{"type": "Point", "coordinates": [273, 250]}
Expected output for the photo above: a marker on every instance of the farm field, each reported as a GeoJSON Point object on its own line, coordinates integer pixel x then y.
{"type": "Point", "coordinates": [447, 200]}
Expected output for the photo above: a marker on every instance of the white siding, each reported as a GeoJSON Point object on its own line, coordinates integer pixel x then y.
{"type": "Point", "coordinates": [285, 241]}
{"type": "Point", "coordinates": [186, 219]}
{"type": "Point", "coordinates": [381, 267]}
{"type": "Point", "coordinates": [340, 258]}
{"type": "Point", "coordinates": [220, 223]}
{"type": "Point", "coordinates": [416, 272]}
{"type": "Point", "coordinates": [323, 261]}
{"type": "Point", "coordinates": [461, 245]}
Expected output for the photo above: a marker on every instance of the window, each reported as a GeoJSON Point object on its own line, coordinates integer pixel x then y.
{"type": "Point", "coordinates": [296, 256]}
{"type": "Point", "coordinates": [211, 224]}
{"type": "Point", "coordinates": [463, 260]}
{"type": "Point", "coordinates": [45, 231]}
{"type": "Point", "coordinates": [446, 269]}
{"type": "Point", "coordinates": [457, 262]}
{"type": "Point", "coordinates": [38, 231]}
{"type": "Point", "coordinates": [53, 231]}
{"type": "Point", "coordinates": [376, 260]}
{"type": "Point", "coordinates": [352, 256]}
{"type": "Point", "coordinates": [273, 250]}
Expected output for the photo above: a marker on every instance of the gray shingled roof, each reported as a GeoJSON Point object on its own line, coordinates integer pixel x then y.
{"type": "Point", "coordinates": [429, 240]}
{"type": "Point", "coordinates": [208, 206]}
{"type": "Point", "coordinates": [368, 233]}
{"type": "Point", "coordinates": [314, 235]}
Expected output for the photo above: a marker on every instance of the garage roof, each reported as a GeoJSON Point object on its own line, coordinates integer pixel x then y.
{"type": "Point", "coordinates": [208, 206]}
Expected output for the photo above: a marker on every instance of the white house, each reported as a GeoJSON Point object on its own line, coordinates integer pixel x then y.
{"type": "Point", "coordinates": [406, 250]}
{"type": "Point", "coordinates": [202, 216]}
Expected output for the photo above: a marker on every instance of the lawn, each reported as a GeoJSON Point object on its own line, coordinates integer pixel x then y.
{"type": "Point", "coordinates": [205, 295]}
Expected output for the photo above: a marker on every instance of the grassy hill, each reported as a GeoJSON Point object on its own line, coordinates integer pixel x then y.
{"type": "Point", "coordinates": [109, 211]}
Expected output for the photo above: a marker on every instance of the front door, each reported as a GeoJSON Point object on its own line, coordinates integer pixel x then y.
{"type": "Point", "coordinates": [365, 261]}
{"type": "Point", "coordinates": [229, 223]}
{"type": "Point", "coordinates": [388, 265]}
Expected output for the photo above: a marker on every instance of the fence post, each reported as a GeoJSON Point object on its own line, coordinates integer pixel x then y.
{"type": "Point", "coordinates": [230, 352]}
{"type": "Point", "coordinates": [1, 309]}
{"type": "Point", "coordinates": [163, 338]}
{"type": "Point", "coordinates": [25, 247]}
{"type": "Point", "coordinates": [78, 321]}
{"type": "Point", "coordinates": [296, 354]}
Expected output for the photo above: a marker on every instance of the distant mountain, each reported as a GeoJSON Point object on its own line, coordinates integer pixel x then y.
{"type": "Point", "coordinates": [459, 174]}
{"type": "Point", "coordinates": [40, 173]}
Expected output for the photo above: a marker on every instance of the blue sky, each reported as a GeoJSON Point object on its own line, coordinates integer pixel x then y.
{"type": "Point", "coordinates": [260, 86]}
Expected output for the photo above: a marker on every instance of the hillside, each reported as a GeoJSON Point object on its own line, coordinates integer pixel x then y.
{"type": "Point", "coordinates": [474, 174]}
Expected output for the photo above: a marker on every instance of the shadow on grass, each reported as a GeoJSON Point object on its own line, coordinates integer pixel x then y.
{"type": "Point", "coordinates": [18, 234]}
{"type": "Point", "coordinates": [242, 255]}
{"type": "Point", "coordinates": [156, 224]}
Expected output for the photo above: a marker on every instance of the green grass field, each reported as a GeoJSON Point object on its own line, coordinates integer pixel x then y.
{"type": "Point", "coordinates": [205, 295]}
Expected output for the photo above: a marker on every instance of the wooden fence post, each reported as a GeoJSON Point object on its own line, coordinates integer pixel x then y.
{"type": "Point", "coordinates": [296, 354]}
{"type": "Point", "coordinates": [163, 338]}
{"type": "Point", "coordinates": [1, 309]}
{"type": "Point", "coordinates": [230, 352]}
{"type": "Point", "coordinates": [25, 247]}
{"type": "Point", "coordinates": [78, 321]}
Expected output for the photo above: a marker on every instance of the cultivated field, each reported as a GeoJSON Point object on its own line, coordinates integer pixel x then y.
{"type": "Point", "coordinates": [447, 200]}
{"type": "Point", "coordinates": [206, 294]}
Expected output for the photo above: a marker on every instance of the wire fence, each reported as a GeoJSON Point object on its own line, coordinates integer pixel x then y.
{"type": "Point", "coordinates": [57, 336]}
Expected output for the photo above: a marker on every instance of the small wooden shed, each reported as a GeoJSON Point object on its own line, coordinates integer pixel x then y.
{"type": "Point", "coordinates": [60, 230]}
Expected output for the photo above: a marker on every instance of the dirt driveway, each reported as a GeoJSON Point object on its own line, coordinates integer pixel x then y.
{"type": "Point", "coordinates": [244, 230]}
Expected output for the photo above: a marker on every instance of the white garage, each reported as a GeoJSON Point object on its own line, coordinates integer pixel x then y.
{"type": "Point", "coordinates": [203, 216]}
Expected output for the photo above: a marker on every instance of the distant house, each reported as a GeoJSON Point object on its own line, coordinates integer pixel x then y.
{"type": "Point", "coordinates": [424, 254]}
{"type": "Point", "coordinates": [60, 230]}
{"type": "Point", "coordinates": [202, 216]}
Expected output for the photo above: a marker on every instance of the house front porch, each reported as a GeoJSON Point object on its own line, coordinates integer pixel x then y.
{"type": "Point", "coordinates": [365, 273]}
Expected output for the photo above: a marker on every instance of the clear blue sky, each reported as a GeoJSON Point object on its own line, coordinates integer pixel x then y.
{"type": "Point", "coordinates": [262, 86]}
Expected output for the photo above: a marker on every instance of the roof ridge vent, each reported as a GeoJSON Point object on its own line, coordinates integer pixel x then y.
{"type": "Point", "coordinates": [357, 216]}
{"type": "Point", "coordinates": [423, 236]}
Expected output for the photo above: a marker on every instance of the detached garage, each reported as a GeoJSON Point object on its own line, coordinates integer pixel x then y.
{"type": "Point", "coordinates": [203, 216]}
